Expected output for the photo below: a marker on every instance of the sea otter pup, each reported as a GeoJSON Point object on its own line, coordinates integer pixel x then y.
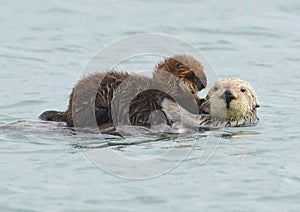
{"type": "Point", "coordinates": [118, 97]}
{"type": "Point", "coordinates": [229, 103]}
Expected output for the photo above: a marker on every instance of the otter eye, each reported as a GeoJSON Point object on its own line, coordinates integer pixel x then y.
{"type": "Point", "coordinates": [189, 77]}
{"type": "Point", "coordinates": [243, 90]}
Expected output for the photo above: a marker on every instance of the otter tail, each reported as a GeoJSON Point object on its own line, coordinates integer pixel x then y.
{"type": "Point", "coordinates": [52, 115]}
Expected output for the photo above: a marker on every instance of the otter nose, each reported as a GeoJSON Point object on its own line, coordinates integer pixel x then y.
{"type": "Point", "coordinates": [228, 96]}
{"type": "Point", "coordinates": [201, 84]}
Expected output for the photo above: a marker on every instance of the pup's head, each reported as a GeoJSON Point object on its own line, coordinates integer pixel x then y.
{"type": "Point", "coordinates": [189, 71]}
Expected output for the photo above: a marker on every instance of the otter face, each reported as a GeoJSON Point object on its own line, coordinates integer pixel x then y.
{"type": "Point", "coordinates": [232, 99]}
{"type": "Point", "coordinates": [192, 81]}
{"type": "Point", "coordinates": [189, 71]}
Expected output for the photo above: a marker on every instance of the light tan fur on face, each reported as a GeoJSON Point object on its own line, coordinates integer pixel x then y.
{"type": "Point", "coordinates": [214, 111]}
{"type": "Point", "coordinates": [243, 105]}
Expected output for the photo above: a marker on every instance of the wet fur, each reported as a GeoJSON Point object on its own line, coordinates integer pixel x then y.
{"type": "Point", "coordinates": [241, 111]}
{"type": "Point", "coordinates": [243, 105]}
{"type": "Point", "coordinates": [106, 97]}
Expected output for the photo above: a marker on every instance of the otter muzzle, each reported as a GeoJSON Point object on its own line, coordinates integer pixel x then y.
{"type": "Point", "coordinates": [228, 97]}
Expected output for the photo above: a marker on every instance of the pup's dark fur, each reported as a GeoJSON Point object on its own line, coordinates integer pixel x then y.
{"type": "Point", "coordinates": [119, 97]}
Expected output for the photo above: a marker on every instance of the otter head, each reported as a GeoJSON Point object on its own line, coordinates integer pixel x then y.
{"type": "Point", "coordinates": [188, 72]}
{"type": "Point", "coordinates": [232, 99]}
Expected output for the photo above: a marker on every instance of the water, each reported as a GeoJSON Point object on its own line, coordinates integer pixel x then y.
{"type": "Point", "coordinates": [43, 48]}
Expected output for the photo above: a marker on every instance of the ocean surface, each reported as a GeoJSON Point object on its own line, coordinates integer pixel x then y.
{"type": "Point", "coordinates": [43, 49]}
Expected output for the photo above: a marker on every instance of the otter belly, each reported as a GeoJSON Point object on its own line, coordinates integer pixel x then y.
{"type": "Point", "coordinates": [36, 127]}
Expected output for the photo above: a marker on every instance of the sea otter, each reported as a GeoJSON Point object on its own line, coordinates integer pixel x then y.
{"type": "Point", "coordinates": [229, 103]}
{"type": "Point", "coordinates": [115, 97]}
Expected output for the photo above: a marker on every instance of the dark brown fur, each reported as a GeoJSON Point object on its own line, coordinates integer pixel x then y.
{"type": "Point", "coordinates": [116, 97]}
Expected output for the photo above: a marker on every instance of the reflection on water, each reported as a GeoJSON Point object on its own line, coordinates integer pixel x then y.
{"type": "Point", "coordinates": [241, 133]}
